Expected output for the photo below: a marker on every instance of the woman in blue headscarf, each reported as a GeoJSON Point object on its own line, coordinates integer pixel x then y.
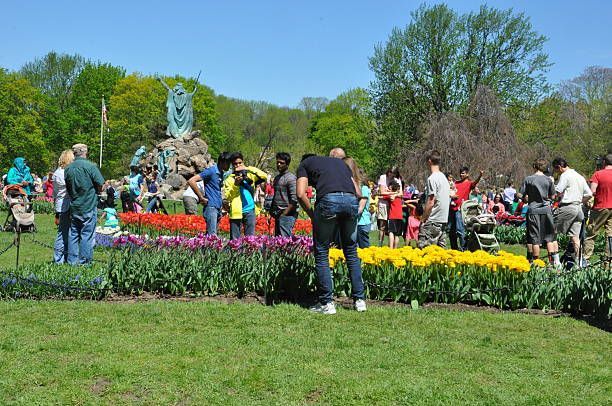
{"type": "Point", "coordinates": [19, 174]}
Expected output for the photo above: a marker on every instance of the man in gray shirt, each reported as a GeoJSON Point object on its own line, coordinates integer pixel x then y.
{"type": "Point", "coordinates": [437, 203]}
{"type": "Point", "coordinates": [284, 203]}
{"type": "Point", "coordinates": [539, 190]}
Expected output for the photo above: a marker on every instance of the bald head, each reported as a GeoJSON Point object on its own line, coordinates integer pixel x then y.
{"type": "Point", "coordinates": [337, 153]}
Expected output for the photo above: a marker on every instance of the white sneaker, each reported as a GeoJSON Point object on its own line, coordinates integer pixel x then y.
{"type": "Point", "coordinates": [360, 305]}
{"type": "Point", "coordinates": [328, 308]}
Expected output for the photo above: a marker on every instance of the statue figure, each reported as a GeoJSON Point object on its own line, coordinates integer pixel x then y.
{"type": "Point", "coordinates": [138, 156]}
{"type": "Point", "coordinates": [180, 109]}
{"type": "Point", "coordinates": [162, 164]}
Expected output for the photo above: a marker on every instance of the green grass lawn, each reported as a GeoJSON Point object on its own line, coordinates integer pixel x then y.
{"type": "Point", "coordinates": [162, 352]}
{"type": "Point", "coordinates": [167, 352]}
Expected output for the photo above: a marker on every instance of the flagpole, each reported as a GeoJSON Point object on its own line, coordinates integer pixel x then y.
{"type": "Point", "coordinates": [101, 129]}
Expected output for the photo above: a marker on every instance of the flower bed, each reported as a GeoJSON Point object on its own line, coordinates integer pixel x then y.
{"type": "Point", "coordinates": [37, 281]}
{"type": "Point", "coordinates": [281, 266]}
{"type": "Point", "coordinates": [517, 235]}
{"type": "Point", "coordinates": [156, 224]}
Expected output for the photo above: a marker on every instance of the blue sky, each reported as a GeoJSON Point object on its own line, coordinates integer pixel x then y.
{"type": "Point", "coordinates": [277, 51]}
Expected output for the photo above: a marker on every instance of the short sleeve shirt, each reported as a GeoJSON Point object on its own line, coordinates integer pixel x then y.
{"type": "Point", "coordinates": [438, 186]}
{"type": "Point", "coordinates": [603, 193]}
{"type": "Point", "coordinates": [82, 179]}
{"type": "Point", "coordinates": [327, 175]}
{"type": "Point", "coordinates": [573, 186]}
{"type": "Point", "coordinates": [539, 190]}
{"type": "Point", "coordinates": [212, 185]}
{"type": "Point", "coordinates": [366, 216]}
{"type": "Point", "coordinates": [463, 192]}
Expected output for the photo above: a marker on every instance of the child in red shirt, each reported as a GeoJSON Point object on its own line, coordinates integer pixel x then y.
{"type": "Point", "coordinates": [396, 215]}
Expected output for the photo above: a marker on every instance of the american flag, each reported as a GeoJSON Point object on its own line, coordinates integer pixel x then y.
{"type": "Point", "coordinates": [104, 116]}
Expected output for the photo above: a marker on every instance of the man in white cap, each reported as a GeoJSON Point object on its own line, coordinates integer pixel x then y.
{"type": "Point", "coordinates": [83, 183]}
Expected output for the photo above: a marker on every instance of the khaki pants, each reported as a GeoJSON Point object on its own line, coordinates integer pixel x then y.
{"type": "Point", "coordinates": [599, 218]}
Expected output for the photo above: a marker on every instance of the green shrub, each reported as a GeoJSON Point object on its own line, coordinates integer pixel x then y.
{"type": "Point", "coordinates": [47, 280]}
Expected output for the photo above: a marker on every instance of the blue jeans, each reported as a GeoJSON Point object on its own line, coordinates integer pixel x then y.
{"type": "Point", "coordinates": [212, 215]}
{"type": "Point", "coordinates": [247, 220]}
{"type": "Point", "coordinates": [81, 238]}
{"type": "Point", "coordinates": [331, 211]}
{"type": "Point", "coordinates": [152, 204]}
{"type": "Point", "coordinates": [283, 226]}
{"type": "Point", "coordinates": [363, 235]}
{"type": "Point", "coordinates": [60, 248]}
{"type": "Point", "coordinates": [457, 229]}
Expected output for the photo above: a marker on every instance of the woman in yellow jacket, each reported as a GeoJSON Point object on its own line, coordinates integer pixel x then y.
{"type": "Point", "coordinates": [239, 188]}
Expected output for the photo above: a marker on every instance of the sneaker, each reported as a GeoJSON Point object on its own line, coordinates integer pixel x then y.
{"type": "Point", "coordinates": [328, 308]}
{"type": "Point", "coordinates": [360, 305]}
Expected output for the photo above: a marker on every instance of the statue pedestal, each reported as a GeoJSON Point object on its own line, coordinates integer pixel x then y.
{"type": "Point", "coordinates": [190, 157]}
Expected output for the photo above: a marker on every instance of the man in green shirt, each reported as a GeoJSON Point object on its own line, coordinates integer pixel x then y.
{"type": "Point", "coordinates": [83, 183]}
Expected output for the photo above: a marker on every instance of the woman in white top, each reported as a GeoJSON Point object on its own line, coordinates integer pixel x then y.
{"type": "Point", "coordinates": [62, 208]}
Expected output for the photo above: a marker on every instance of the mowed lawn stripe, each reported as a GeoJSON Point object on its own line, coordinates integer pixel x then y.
{"type": "Point", "coordinates": [166, 352]}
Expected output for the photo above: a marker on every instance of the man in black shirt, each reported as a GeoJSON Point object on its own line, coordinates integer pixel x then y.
{"type": "Point", "coordinates": [337, 205]}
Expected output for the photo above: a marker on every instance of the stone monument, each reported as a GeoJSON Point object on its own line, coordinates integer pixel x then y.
{"type": "Point", "coordinates": [183, 153]}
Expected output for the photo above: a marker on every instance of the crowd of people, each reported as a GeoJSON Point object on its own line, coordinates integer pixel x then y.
{"type": "Point", "coordinates": [343, 204]}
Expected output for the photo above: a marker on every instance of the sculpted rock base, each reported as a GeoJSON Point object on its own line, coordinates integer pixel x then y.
{"type": "Point", "coordinates": [190, 157]}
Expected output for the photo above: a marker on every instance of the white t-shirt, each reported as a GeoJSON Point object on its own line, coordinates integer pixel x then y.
{"type": "Point", "coordinates": [438, 186]}
{"type": "Point", "coordinates": [573, 186]}
{"type": "Point", "coordinates": [62, 200]}
{"type": "Point", "coordinates": [190, 193]}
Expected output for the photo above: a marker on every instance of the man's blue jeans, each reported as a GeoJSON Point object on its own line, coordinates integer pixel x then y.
{"type": "Point", "coordinates": [283, 226]}
{"type": "Point", "coordinates": [336, 210]}
{"type": "Point", "coordinates": [81, 238]}
{"type": "Point", "coordinates": [457, 229]}
{"type": "Point", "coordinates": [247, 220]}
{"type": "Point", "coordinates": [212, 215]}
{"type": "Point", "coordinates": [60, 248]}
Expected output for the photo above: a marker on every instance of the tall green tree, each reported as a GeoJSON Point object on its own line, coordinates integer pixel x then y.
{"type": "Point", "coordinates": [94, 81]}
{"type": "Point", "coordinates": [347, 122]}
{"type": "Point", "coordinates": [21, 125]}
{"type": "Point", "coordinates": [436, 63]}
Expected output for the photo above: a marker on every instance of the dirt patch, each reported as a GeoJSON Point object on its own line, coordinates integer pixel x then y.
{"type": "Point", "coordinates": [100, 385]}
{"type": "Point", "coordinates": [314, 395]}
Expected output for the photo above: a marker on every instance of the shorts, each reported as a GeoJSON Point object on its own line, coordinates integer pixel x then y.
{"type": "Point", "coordinates": [540, 228]}
{"type": "Point", "coordinates": [432, 233]}
{"type": "Point", "coordinates": [383, 225]}
{"type": "Point", "coordinates": [396, 227]}
{"type": "Point", "coordinates": [568, 219]}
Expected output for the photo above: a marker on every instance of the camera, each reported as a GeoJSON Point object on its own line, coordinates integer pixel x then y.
{"type": "Point", "coordinates": [242, 173]}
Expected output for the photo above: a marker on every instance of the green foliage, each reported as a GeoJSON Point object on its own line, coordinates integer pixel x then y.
{"type": "Point", "coordinates": [517, 235]}
{"type": "Point", "coordinates": [47, 280]}
{"type": "Point", "coordinates": [260, 129]}
{"type": "Point", "coordinates": [347, 122]}
{"type": "Point", "coordinates": [95, 81]}
{"type": "Point", "coordinates": [55, 75]}
{"type": "Point", "coordinates": [137, 116]}
{"type": "Point", "coordinates": [209, 272]}
{"type": "Point", "coordinates": [21, 124]}
{"type": "Point", "coordinates": [437, 62]}
{"type": "Point", "coordinates": [573, 122]}
{"type": "Point", "coordinates": [273, 273]}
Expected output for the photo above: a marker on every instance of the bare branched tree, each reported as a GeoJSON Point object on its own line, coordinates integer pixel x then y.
{"type": "Point", "coordinates": [482, 139]}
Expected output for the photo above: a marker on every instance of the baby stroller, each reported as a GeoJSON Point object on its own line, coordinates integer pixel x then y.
{"type": "Point", "coordinates": [20, 216]}
{"type": "Point", "coordinates": [479, 227]}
